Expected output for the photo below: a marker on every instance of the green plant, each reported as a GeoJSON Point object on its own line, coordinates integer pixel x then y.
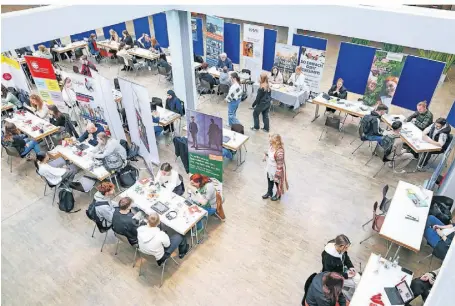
{"type": "Point", "coordinates": [449, 59]}
{"type": "Point", "coordinates": [392, 48]}
{"type": "Point", "coordinates": [359, 41]}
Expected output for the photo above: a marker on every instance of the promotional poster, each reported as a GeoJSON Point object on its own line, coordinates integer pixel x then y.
{"type": "Point", "coordinates": [214, 42]}
{"type": "Point", "coordinates": [252, 49]}
{"type": "Point", "coordinates": [13, 75]}
{"type": "Point", "coordinates": [205, 145]}
{"type": "Point", "coordinates": [383, 78]}
{"type": "Point", "coordinates": [312, 62]}
{"type": "Point", "coordinates": [286, 58]}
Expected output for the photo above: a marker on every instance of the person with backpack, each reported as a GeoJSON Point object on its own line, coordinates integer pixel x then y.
{"type": "Point", "coordinates": [103, 206]}
{"type": "Point", "coordinates": [370, 124]}
{"type": "Point", "coordinates": [261, 104]}
{"type": "Point", "coordinates": [393, 148]}
{"type": "Point", "coordinates": [122, 221]}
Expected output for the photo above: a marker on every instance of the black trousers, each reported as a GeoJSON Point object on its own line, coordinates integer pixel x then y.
{"type": "Point", "coordinates": [420, 287]}
{"type": "Point", "coordinates": [270, 186]}
{"type": "Point", "coordinates": [264, 110]}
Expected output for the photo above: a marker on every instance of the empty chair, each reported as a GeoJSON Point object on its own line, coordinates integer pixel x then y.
{"type": "Point", "coordinates": [223, 90]}
{"type": "Point", "coordinates": [84, 184]}
{"type": "Point", "coordinates": [247, 81]}
{"type": "Point", "coordinates": [162, 71]}
{"type": "Point", "coordinates": [378, 220]}
{"type": "Point", "coordinates": [385, 203]}
{"type": "Point", "coordinates": [11, 152]}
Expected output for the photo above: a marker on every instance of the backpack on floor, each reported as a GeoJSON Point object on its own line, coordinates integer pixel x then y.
{"type": "Point", "coordinates": [66, 201]}
{"type": "Point", "coordinates": [128, 176]}
{"type": "Point", "coordinates": [91, 214]}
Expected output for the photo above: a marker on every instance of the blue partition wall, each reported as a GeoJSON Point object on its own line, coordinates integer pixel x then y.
{"type": "Point", "coordinates": [141, 26]}
{"type": "Point", "coordinates": [82, 35]}
{"type": "Point", "coordinates": [451, 115]}
{"type": "Point", "coordinates": [232, 41]}
{"type": "Point", "coordinates": [309, 41]}
{"type": "Point", "coordinates": [119, 27]}
{"type": "Point", "coordinates": [198, 45]}
{"type": "Point", "coordinates": [160, 27]}
{"type": "Point", "coordinates": [46, 43]}
{"type": "Point", "coordinates": [353, 66]}
{"type": "Point", "coordinates": [268, 55]}
{"type": "Point", "coordinates": [418, 81]}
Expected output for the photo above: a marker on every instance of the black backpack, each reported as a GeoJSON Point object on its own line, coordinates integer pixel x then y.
{"type": "Point", "coordinates": [387, 144]}
{"type": "Point", "coordinates": [365, 124]}
{"type": "Point", "coordinates": [66, 201]}
{"type": "Point", "coordinates": [128, 176]}
{"type": "Point", "coordinates": [91, 214]}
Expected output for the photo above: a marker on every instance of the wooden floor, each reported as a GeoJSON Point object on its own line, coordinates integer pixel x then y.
{"type": "Point", "coordinates": [261, 255]}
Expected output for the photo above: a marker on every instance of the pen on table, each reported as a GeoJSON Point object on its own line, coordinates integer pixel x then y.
{"type": "Point", "coordinates": [404, 276]}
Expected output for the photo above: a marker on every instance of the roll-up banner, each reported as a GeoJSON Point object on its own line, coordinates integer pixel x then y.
{"type": "Point", "coordinates": [135, 99]}
{"type": "Point", "coordinates": [252, 49]}
{"type": "Point", "coordinates": [13, 75]}
{"type": "Point", "coordinates": [383, 78]}
{"type": "Point", "coordinates": [312, 62]}
{"type": "Point", "coordinates": [214, 42]}
{"type": "Point", "coordinates": [286, 57]}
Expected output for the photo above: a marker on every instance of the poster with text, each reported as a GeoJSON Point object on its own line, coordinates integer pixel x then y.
{"type": "Point", "coordinates": [286, 57]}
{"type": "Point", "coordinates": [214, 42]}
{"type": "Point", "coordinates": [312, 62]}
{"type": "Point", "coordinates": [46, 83]}
{"type": "Point", "coordinates": [205, 146]}
{"type": "Point", "coordinates": [252, 49]}
{"type": "Point", "coordinates": [135, 99]}
{"type": "Point", "coordinates": [194, 29]}
{"type": "Point", "coordinates": [13, 75]}
{"type": "Point", "coordinates": [383, 78]}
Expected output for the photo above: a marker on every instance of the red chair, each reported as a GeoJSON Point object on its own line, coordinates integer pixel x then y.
{"type": "Point", "coordinates": [378, 220]}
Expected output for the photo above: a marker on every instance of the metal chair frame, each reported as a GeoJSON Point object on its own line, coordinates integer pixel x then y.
{"type": "Point", "coordinates": [163, 265]}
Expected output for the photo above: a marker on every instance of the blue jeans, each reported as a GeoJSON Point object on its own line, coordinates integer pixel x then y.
{"type": "Point", "coordinates": [232, 110]}
{"type": "Point", "coordinates": [376, 138]}
{"type": "Point", "coordinates": [228, 154]}
{"type": "Point", "coordinates": [430, 234]}
{"type": "Point", "coordinates": [158, 130]}
{"type": "Point", "coordinates": [30, 145]}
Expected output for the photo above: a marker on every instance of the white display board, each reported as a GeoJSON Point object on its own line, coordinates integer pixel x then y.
{"type": "Point", "coordinates": [13, 75]}
{"type": "Point", "coordinates": [136, 101]}
{"type": "Point", "coordinates": [312, 62]}
{"type": "Point", "coordinates": [252, 49]}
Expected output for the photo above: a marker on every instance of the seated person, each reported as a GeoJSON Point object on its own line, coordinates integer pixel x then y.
{"type": "Point", "coordinates": [203, 192]}
{"type": "Point", "coordinates": [225, 77]}
{"type": "Point", "coordinates": [422, 285]}
{"type": "Point", "coordinates": [439, 236]}
{"type": "Point", "coordinates": [127, 39]}
{"type": "Point", "coordinates": [108, 146]}
{"type": "Point", "coordinates": [91, 43]}
{"type": "Point", "coordinates": [9, 97]}
{"type": "Point", "coordinates": [156, 120]}
{"type": "Point", "coordinates": [173, 103]}
{"type": "Point", "coordinates": [86, 66]}
{"type": "Point", "coordinates": [38, 104]}
{"type": "Point", "coordinates": [169, 179]}
{"type": "Point", "coordinates": [325, 290]}
{"type": "Point", "coordinates": [145, 41]}
{"type": "Point", "coordinates": [297, 79]}
{"type": "Point", "coordinates": [228, 154]}
{"type": "Point", "coordinates": [57, 44]}
{"type": "Point", "coordinates": [224, 61]}
{"type": "Point", "coordinates": [401, 157]}
{"type": "Point", "coordinates": [91, 133]}
{"type": "Point", "coordinates": [57, 118]}
{"type": "Point", "coordinates": [122, 221]}
{"type": "Point", "coordinates": [153, 241]}
{"type": "Point", "coordinates": [56, 171]}
{"type": "Point", "coordinates": [164, 64]}
{"type": "Point", "coordinates": [275, 77]}
{"type": "Point", "coordinates": [13, 138]}
{"type": "Point", "coordinates": [43, 52]}
{"type": "Point", "coordinates": [422, 118]}
{"type": "Point", "coordinates": [104, 194]}
{"type": "Point", "coordinates": [338, 91]}
{"type": "Point", "coordinates": [335, 258]}
{"type": "Point", "coordinates": [438, 135]}
{"type": "Point", "coordinates": [206, 76]}
{"type": "Point", "coordinates": [370, 123]}
{"type": "Point", "coordinates": [124, 54]}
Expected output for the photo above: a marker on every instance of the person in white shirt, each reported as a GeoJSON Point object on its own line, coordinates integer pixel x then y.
{"type": "Point", "coordinates": [56, 171]}
{"type": "Point", "coordinates": [275, 77]}
{"type": "Point", "coordinates": [43, 52]}
{"type": "Point", "coordinates": [69, 97]}
{"type": "Point", "coordinates": [108, 146]}
{"type": "Point", "coordinates": [153, 241]}
{"type": "Point", "coordinates": [39, 107]}
{"type": "Point", "coordinates": [122, 52]}
{"type": "Point", "coordinates": [233, 99]}
{"type": "Point", "coordinates": [297, 79]}
{"type": "Point", "coordinates": [169, 179]}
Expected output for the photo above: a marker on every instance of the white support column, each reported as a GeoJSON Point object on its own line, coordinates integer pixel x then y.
{"type": "Point", "coordinates": [181, 44]}
{"type": "Point", "coordinates": [291, 33]}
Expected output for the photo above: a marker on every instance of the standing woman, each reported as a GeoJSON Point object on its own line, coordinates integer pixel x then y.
{"type": "Point", "coordinates": [233, 99]}
{"type": "Point", "coordinates": [40, 109]}
{"type": "Point", "coordinates": [69, 97]}
{"type": "Point", "coordinates": [275, 76]}
{"type": "Point", "coordinates": [275, 168]}
{"type": "Point", "coordinates": [262, 103]}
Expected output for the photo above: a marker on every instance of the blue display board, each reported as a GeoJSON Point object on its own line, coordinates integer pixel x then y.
{"type": "Point", "coordinates": [198, 44]}
{"type": "Point", "coordinates": [309, 41]}
{"type": "Point", "coordinates": [141, 26]}
{"type": "Point", "coordinates": [160, 26]}
{"type": "Point", "coordinates": [232, 41]}
{"type": "Point", "coordinates": [268, 54]}
{"type": "Point", "coordinates": [82, 35]}
{"type": "Point", "coordinates": [354, 65]}
{"type": "Point", "coordinates": [119, 27]}
{"type": "Point", "coordinates": [46, 43]}
{"type": "Point", "coordinates": [451, 115]}
{"type": "Point", "coordinates": [418, 81]}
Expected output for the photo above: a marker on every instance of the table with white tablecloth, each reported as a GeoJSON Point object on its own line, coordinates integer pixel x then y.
{"type": "Point", "coordinates": [287, 94]}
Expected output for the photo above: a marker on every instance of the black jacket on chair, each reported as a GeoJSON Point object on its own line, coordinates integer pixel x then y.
{"type": "Point", "coordinates": [343, 92]}
{"type": "Point", "coordinates": [181, 150]}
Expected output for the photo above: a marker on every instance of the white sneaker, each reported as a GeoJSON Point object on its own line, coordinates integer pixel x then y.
{"type": "Point", "coordinates": [390, 164]}
{"type": "Point", "coordinates": [150, 68]}
{"type": "Point", "coordinates": [399, 171]}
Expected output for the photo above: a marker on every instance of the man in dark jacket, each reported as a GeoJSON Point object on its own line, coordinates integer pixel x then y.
{"type": "Point", "coordinates": [422, 118]}
{"type": "Point", "coordinates": [422, 285]}
{"type": "Point", "coordinates": [224, 61]}
{"type": "Point", "coordinates": [91, 133]}
{"type": "Point", "coordinates": [339, 91]}
{"type": "Point", "coordinates": [122, 221]}
{"type": "Point", "coordinates": [370, 123]}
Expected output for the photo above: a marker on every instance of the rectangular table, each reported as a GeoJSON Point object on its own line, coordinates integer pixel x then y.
{"type": "Point", "coordinates": [399, 230]}
{"type": "Point", "coordinates": [144, 53]}
{"type": "Point", "coordinates": [216, 74]}
{"type": "Point", "coordinates": [7, 106]}
{"type": "Point", "coordinates": [412, 136]}
{"type": "Point", "coordinates": [70, 47]}
{"type": "Point", "coordinates": [26, 121]}
{"type": "Point", "coordinates": [184, 222]}
{"type": "Point", "coordinates": [375, 278]}
{"type": "Point", "coordinates": [235, 143]}
{"type": "Point", "coordinates": [287, 95]}
{"type": "Point", "coordinates": [354, 108]}
{"type": "Point", "coordinates": [108, 45]}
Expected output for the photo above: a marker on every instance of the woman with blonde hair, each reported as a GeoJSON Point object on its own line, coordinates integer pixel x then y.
{"type": "Point", "coordinates": [113, 35]}
{"type": "Point", "coordinates": [41, 109]}
{"type": "Point", "coordinates": [262, 103]}
{"type": "Point", "coordinates": [275, 168]}
{"type": "Point", "coordinates": [43, 52]}
{"type": "Point", "coordinates": [297, 79]}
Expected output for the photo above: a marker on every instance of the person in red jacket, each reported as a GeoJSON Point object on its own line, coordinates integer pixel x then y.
{"type": "Point", "coordinates": [86, 66]}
